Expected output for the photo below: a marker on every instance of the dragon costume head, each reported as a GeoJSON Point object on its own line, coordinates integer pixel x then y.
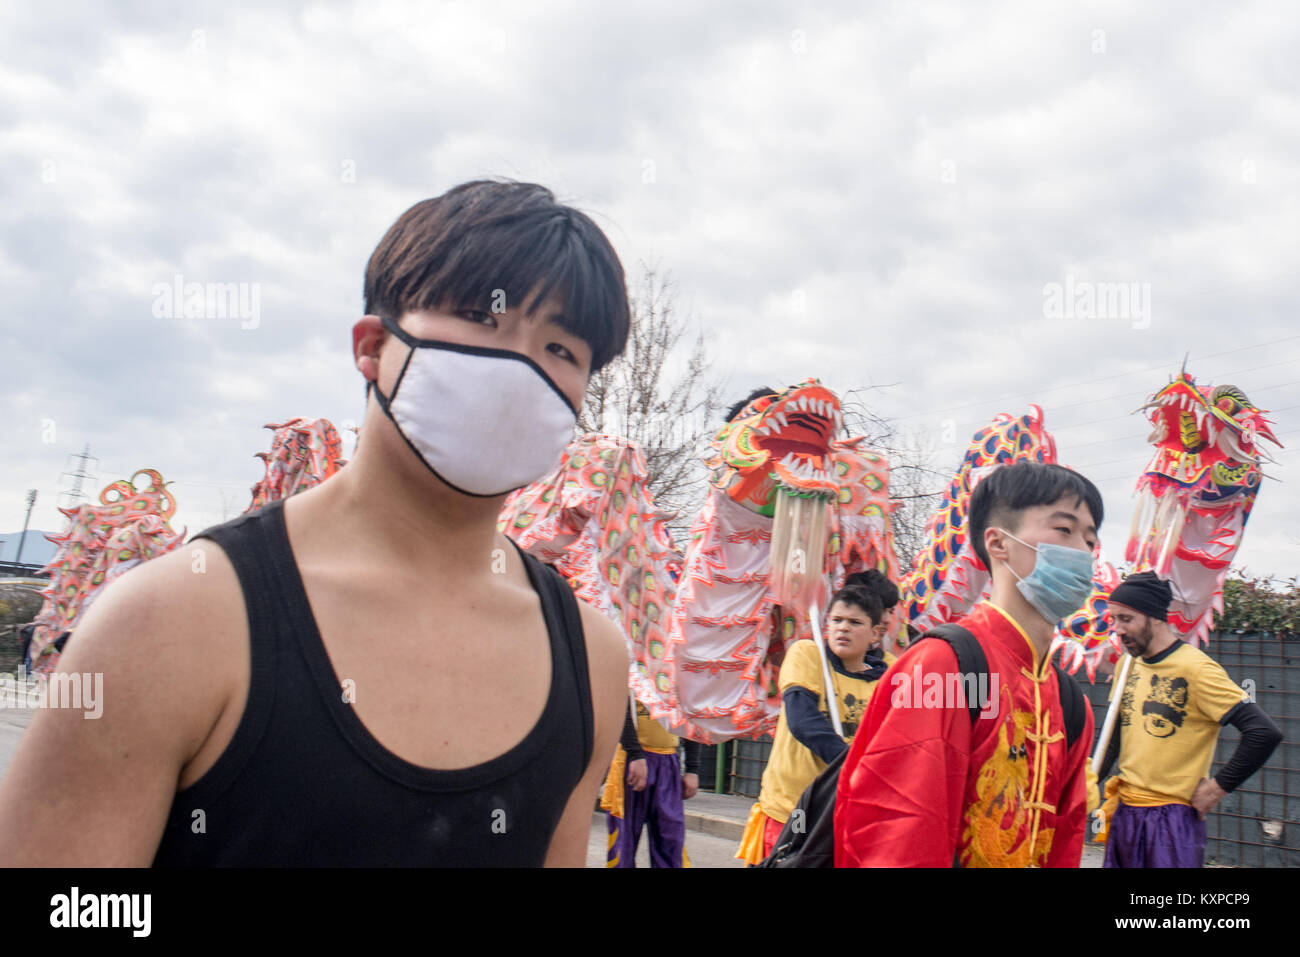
{"type": "Point", "coordinates": [130, 525]}
{"type": "Point", "coordinates": [304, 453]}
{"type": "Point", "coordinates": [1196, 494]}
{"type": "Point", "coordinates": [779, 441]}
{"type": "Point", "coordinates": [774, 457]}
{"type": "Point", "coordinates": [791, 512]}
{"type": "Point", "coordinates": [700, 628]}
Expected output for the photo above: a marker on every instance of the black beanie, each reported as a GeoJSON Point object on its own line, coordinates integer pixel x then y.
{"type": "Point", "coordinates": [1146, 593]}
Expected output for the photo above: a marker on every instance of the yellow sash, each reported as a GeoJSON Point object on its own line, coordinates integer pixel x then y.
{"type": "Point", "coordinates": [1118, 790]}
{"type": "Point", "coordinates": [611, 798]}
{"type": "Point", "coordinates": [751, 841]}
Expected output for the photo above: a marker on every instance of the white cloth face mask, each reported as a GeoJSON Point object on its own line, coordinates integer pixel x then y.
{"type": "Point", "coordinates": [485, 421]}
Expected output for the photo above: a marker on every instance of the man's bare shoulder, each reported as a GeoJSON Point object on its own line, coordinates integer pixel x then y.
{"type": "Point", "coordinates": [191, 591]}
{"type": "Point", "coordinates": [606, 646]}
{"type": "Point", "coordinates": [173, 629]}
{"type": "Point", "coordinates": [160, 647]}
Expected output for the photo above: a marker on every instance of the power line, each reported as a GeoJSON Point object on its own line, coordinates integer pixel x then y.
{"type": "Point", "coordinates": [1106, 378]}
{"type": "Point", "coordinates": [1214, 378]}
{"type": "Point", "coordinates": [1126, 415]}
{"type": "Point", "coordinates": [1087, 465]}
{"type": "Point", "coordinates": [75, 496]}
{"type": "Point", "coordinates": [1110, 438]}
{"type": "Point", "coordinates": [1113, 478]}
{"type": "Point", "coordinates": [1079, 425]}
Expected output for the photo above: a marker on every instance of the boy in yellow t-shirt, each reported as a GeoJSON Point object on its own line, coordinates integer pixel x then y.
{"type": "Point", "coordinates": [1174, 701]}
{"type": "Point", "coordinates": [805, 738]}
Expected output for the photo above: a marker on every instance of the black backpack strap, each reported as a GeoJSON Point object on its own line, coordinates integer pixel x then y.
{"type": "Point", "coordinates": [971, 659]}
{"type": "Point", "coordinates": [1072, 705]}
{"type": "Point", "coordinates": [808, 837]}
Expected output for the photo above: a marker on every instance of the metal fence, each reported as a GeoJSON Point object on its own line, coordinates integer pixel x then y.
{"type": "Point", "coordinates": [1258, 825]}
{"type": "Point", "coordinates": [748, 759]}
{"type": "Point", "coordinates": [15, 570]}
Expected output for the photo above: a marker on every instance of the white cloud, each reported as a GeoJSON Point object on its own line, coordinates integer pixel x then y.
{"type": "Point", "coordinates": [917, 172]}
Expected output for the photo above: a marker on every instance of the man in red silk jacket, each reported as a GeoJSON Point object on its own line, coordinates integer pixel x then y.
{"type": "Point", "coordinates": [923, 785]}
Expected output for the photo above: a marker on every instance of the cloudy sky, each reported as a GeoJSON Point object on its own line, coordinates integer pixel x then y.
{"type": "Point", "coordinates": [874, 194]}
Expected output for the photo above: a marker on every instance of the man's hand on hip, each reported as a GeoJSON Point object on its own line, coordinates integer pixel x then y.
{"type": "Point", "coordinates": [637, 774]}
{"type": "Point", "coordinates": [1207, 795]}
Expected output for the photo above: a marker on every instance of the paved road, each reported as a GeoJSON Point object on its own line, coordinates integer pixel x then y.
{"type": "Point", "coordinates": [704, 850]}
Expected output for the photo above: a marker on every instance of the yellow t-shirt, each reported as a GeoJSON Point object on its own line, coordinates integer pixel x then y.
{"type": "Point", "coordinates": [1169, 721]}
{"type": "Point", "coordinates": [791, 766]}
{"type": "Point", "coordinates": [651, 733]}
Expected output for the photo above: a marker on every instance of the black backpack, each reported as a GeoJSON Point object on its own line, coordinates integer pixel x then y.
{"type": "Point", "coordinates": [808, 838]}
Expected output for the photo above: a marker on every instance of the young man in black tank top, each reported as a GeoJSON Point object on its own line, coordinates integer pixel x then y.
{"type": "Point", "coordinates": [369, 661]}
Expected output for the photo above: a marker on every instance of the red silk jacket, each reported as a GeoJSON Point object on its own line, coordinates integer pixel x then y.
{"type": "Point", "coordinates": [922, 786]}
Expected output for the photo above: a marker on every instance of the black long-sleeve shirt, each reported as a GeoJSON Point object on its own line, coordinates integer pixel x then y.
{"type": "Point", "coordinates": [632, 745]}
{"type": "Point", "coordinates": [810, 725]}
{"type": "Point", "coordinates": [1259, 737]}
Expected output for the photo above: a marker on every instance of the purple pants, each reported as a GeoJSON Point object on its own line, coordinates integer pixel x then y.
{"type": "Point", "coordinates": [1171, 835]}
{"type": "Point", "coordinates": [658, 809]}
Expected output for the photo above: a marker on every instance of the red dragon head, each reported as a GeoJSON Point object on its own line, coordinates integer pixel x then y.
{"type": "Point", "coordinates": [780, 440]}
{"type": "Point", "coordinates": [1207, 441]}
{"type": "Point", "coordinates": [1196, 493]}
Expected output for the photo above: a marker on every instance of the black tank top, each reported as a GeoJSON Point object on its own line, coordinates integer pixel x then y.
{"type": "Point", "coordinates": [303, 782]}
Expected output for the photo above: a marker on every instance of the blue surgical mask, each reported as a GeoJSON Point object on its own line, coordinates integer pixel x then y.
{"type": "Point", "coordinates": [1060, 582]}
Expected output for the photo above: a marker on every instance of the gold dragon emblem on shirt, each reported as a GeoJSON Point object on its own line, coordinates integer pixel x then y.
{"type": "Point", "coordinates": [998, 822]}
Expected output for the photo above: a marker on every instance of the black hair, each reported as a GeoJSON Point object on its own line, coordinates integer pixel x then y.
{"type": "Point", "coordinates": [876, 581]}
{"type": "Point", "coordinates": [864, 598]}
{"type": "Point", "coordinates": [756, 394]}
{"type": "Point", "coordinates": [1010, 489]}
{"type": "Point", "coordinates": [480, 240]}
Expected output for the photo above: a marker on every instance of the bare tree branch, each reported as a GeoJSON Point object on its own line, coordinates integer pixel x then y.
{"type": "Point", "coordinates": [912, 474]}
{"type": "Point", "coordinates": [659, 394]}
